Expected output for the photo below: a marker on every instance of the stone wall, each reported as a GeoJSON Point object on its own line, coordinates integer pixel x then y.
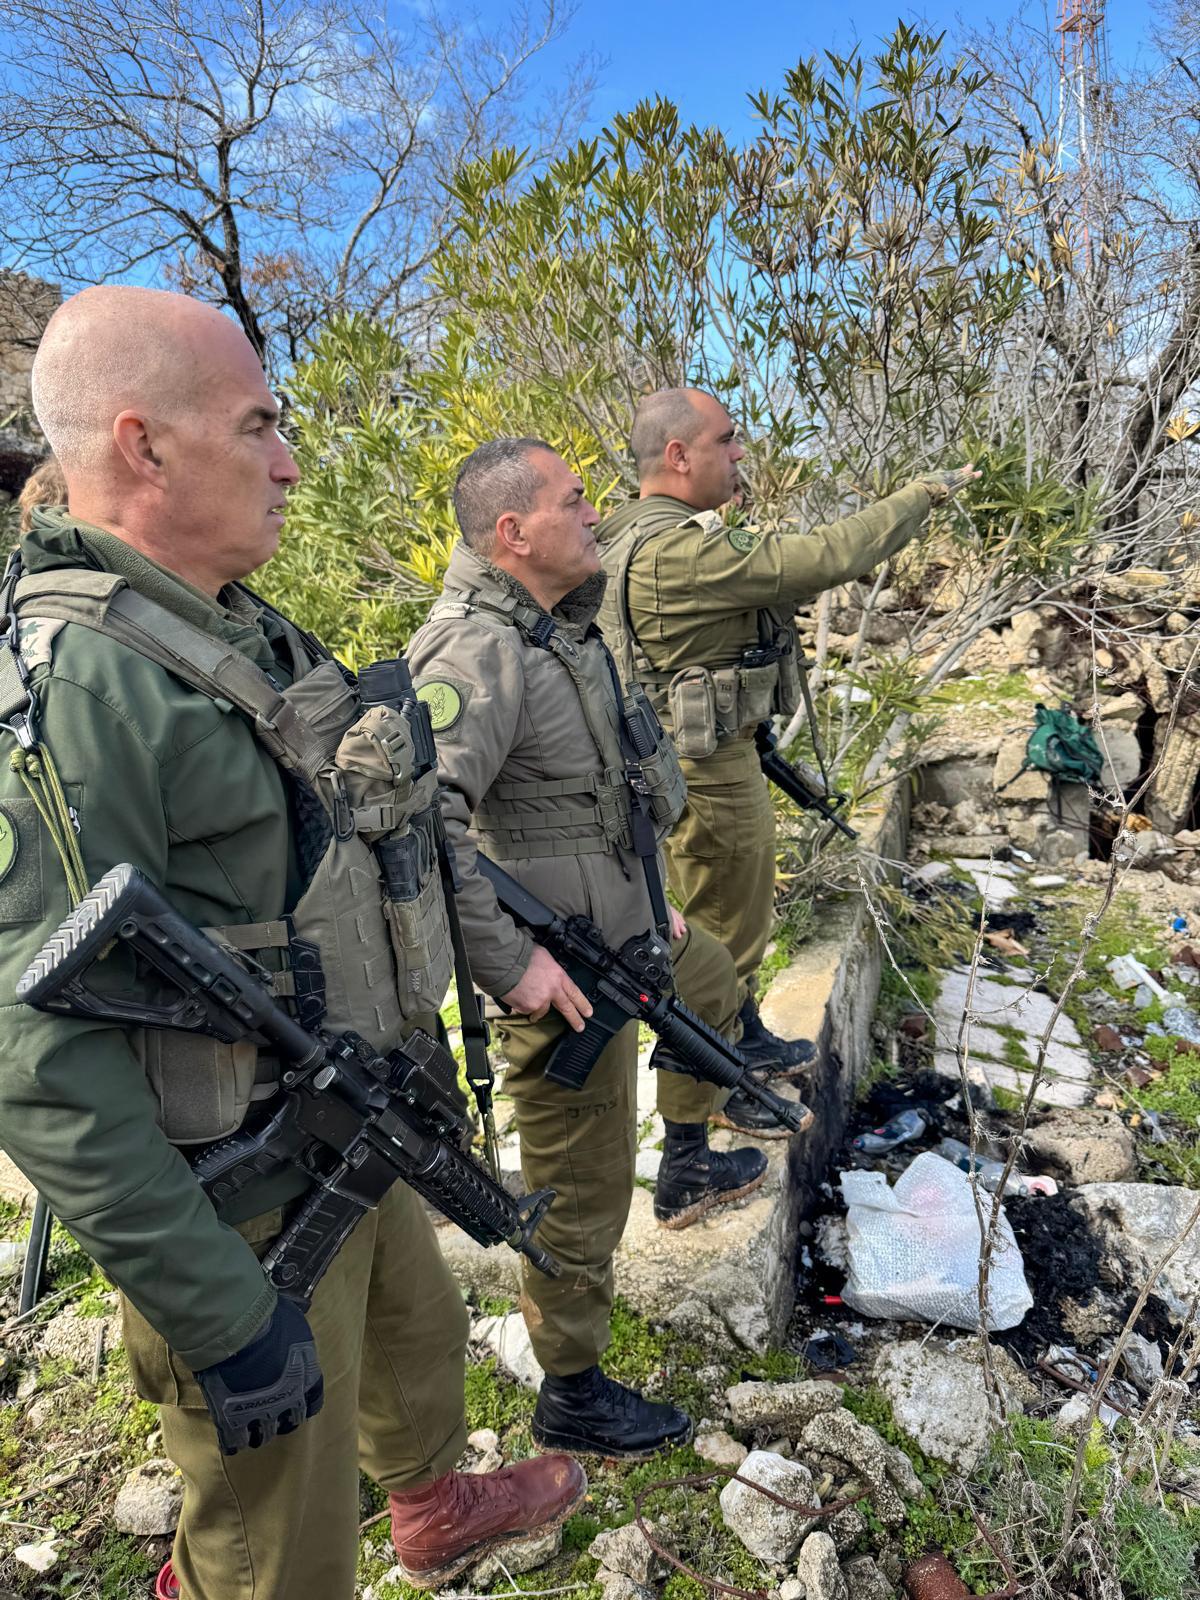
{"type": "Point", "coordinates": [26, 305]}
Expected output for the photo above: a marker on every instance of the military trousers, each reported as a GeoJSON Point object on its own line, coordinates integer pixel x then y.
{"type": "Point", "coordinates": [582, 1143]}
{"type": "Point", "coordinates": [721, 855]}
{"type": "Point", "coordinates": [281, 1522]}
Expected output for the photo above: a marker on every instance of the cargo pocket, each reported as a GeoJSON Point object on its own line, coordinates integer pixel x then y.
{"type": "Point", "coordinates": [203, 1087]}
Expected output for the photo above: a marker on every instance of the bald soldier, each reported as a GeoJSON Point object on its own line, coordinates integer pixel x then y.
{"type": "Point", "coordinates": [701, 614]}
{"type": "Point", "coordinates": [177, 482]}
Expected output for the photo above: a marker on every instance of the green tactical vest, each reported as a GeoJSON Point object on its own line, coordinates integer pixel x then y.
{"type": "Point", "coordinates": [509, 833]}
{"type": "Point", "coordinates": [700, 703]}
{"type": "Point", "coordinates": [346, 955]}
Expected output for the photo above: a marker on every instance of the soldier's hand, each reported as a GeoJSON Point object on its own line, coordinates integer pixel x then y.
{"type": "Point", "coordinates": [678, 925]}
{"type": "Point", "coordinates": [941, 486]}
{"type": "Point", "coordinates": [269, 1386]}
{"type": "Point", "coordinates": [546, 984]}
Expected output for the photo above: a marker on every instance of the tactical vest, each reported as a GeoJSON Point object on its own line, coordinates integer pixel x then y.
{"type": "Point", "coordinates": [346, 956]}
{"type": "Point", "coordinates": [648, 763]}
{"type": "Point", "coordinates": [700, 704]}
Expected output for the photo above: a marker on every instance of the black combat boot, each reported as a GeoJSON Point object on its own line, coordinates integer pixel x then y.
{"type": "Point", "coordinates": [772, 1056]}
{"type": "Point", "coordinates": [594, 1415]}
{"type": "Point", "coordinates": [745, 1115]}
{"type": "Point", "coordinates": [693, 1179]}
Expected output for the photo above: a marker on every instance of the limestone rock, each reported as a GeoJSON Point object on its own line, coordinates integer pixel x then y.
{"type": "Point", "coordinates": [1085, 1145]}
{"type": "Point", "coordinates": [39, 1557]}
{"type": "Point", "coordinates": [617, 1586]}
{"type": "Point", "coordinates": [1119, 708]}
{"type": "Point", "coordinates": [1122, 756]}
{"type": "Point", "coordinates": [818, 1570]}
{"type": "Point", "coordinates": [865, 1581]}
{"type": "Point", "coordinates": [70, 1337]}
{"type": "Point", "coordinates": [845, 1528]}
{"type": "Point", "coordinates": [791, 1589]}
{"type": "Point", "coordinates": [1175, 779]}
{"type": "Point", "coordinates": [887, 1471]}
{"type": "Point", "coordinates": [627, 1551]}
{"type": "Point", "coordinates": [149, 1501]}
{"type": "Point", "coordinates": [769, 1531]}
{"type": "Point", "coordinates": [484, 1439]}
{"type": "Point", "coordinates": [522, 1555]}
{"type": "Point", "coordinates": [696, 1320]}
{"type": "Point", "coordinates": [939, 1397]}
{"type": "Point", "coordinates": [1138, 1221]}
{"type": "Point", "coordinates": [787, 1407]}
{"type": "Point", "coordinates": [508, 1339]}
{"type": "Point", "coordinates": [721, 1449]}
{"type": "Point", "coordinates": [1010, 783]}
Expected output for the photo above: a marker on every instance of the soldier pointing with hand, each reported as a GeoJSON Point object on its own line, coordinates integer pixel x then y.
{"type": "Point", "coordinates": [701, 614]}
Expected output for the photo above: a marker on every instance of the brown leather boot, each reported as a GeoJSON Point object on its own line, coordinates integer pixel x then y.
{"type": "Point", "coordinates": [446, 1525]}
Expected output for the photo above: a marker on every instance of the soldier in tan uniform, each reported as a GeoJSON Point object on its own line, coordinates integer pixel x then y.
{"type": "Point", "coordinates": [526, 706]}
{"type": "Point", "coordinates": [701, 614]}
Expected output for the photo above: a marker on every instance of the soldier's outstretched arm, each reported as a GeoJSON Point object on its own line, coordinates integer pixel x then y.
{"type": "Point", "coordinates": [789, 565]}
{"type": "Point", "coordinates": [76, 1111]}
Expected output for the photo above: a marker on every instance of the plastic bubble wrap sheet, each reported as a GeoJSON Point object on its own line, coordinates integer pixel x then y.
{"type": "Point", "coordinates": [914, 1250]}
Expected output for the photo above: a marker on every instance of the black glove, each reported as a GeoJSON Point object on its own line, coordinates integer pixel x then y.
{"type": "Point", "coordinates": [269, 1386]}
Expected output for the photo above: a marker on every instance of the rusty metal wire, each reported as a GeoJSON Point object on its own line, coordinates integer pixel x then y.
{"type": "Point", "coordinates": [697, 1480]}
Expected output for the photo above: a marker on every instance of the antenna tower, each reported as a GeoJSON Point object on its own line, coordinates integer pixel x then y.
{"type": "Point", "coordinates": [1084, 107]}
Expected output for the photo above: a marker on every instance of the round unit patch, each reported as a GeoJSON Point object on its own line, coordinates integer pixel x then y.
{"type": "Point", "coordinates": [743, 539]}
{"type": "Point", "coordinates": [8, 844]}
{"type": "Point", "coordinates": [444, 701]}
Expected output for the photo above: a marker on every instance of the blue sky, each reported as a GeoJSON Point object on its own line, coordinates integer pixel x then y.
{"type": "Point", "coordinates": [705, 54]}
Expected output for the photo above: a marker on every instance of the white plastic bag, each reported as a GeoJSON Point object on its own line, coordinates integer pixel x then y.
{"type": "Point", "coordinates": [914, 1250]}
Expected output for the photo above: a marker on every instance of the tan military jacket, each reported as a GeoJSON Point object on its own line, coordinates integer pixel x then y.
{"type": "Point", "coordinates": [695, 589]}
{"type": "Point", "coordinates": [508, 713]}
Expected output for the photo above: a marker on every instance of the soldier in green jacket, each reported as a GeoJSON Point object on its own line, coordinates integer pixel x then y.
{"type": "Point", "coordinates": [701, 614]}
{"type": "Point", "coordinates": [159, 414]}
{"type": "Point", "coordinates": [524, 700]}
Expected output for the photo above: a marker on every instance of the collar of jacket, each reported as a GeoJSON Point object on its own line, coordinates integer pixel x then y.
{"type": "Point", "coordinates": [626, 516]}
{"type": "Point", "coordinates": [469, 572]}
{"type": "Point", "coordinates": [56, 539]}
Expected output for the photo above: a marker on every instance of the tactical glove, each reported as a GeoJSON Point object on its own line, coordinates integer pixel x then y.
{"type": "Point", "coordinates": [940, 486]}
{"type": "Point", "coordinates": [269, 1386]}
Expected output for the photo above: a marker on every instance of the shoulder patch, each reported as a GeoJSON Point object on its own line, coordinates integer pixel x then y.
{"type": "Point", "coordinates": [743, 539]}
{"type": "Point", "coordinates": [710, 521]}
{"type": "Point", "coordinates": [9, 844]}
{"type": "Point", "coordinates": [35, 638]}
{"type": "Point", "coordinates": [447, 700]}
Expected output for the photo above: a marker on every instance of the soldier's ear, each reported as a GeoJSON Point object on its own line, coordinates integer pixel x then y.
{"type": "Point", "coordinates": [510, 536]}
{"type": "Point", "coordinates": [675, 456]}
{"type": "Point", "coordinates": [133, 435]}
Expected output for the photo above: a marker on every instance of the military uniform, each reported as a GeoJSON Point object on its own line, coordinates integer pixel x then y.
{"type": "Point", "coordinates": [524, 706]}
{"type": "Point", "coordinates": [702, 616]}
{"type": "Point", "coordinates": [176, 781]}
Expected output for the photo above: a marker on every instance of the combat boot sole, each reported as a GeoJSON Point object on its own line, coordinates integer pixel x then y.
{"type": "Point", "coordinates": [774, 1132]}
{"type": "Point", "coordinates": [435, 1577]}
{"type": "Point", "coordinates": [709, 1202]}
{"type": "Point", "coordinates": [579, 1445]}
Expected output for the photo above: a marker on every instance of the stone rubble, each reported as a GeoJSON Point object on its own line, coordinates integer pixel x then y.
{"type": "Point", "coordinates": [768, 1530]}
{"type": "Point", "coordinates": [148, 1503]}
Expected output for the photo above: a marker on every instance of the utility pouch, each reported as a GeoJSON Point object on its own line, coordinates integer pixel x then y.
{"type": "Point", "coordinates": [204, 1088]}
{"type": "Point", "coordinates": [693, 702]}
{"type": "Point", "coordinates": [326, 702]}
{"type": "Point", "coordinates": [374, 765]}
{"type": "Point", "coordinates": [414, 908]}
{"type": "Point", "coordinates": [662, 777]}
{"type": "Point", "coordinates": [756, 694]}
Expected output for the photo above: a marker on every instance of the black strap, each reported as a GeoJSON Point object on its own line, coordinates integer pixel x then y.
{"type": "Point", "coordinates": [474, 1029]}
{"type": "Point", "coordinates": [645, 839]}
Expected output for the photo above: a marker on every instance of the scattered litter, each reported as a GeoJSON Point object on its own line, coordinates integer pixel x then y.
{"type": "Point", "coordinates": [1179, 924]}
{"type": "Point", "coordinates": [41, 1557]}
{"type": "Point", "coordinates": [1130, 973]}
{"type": "Point", "coordinates": [1139, 1077]}
{"type": "Point", "coordinates": [914, 1026]}
{"type": "Point", "coordinates": [827, 1351]}
{"type": "Point", "coordinates": [1047, 880]}
{"type": "Point", "coordinates": [1188, 957]}
{"type": "Point", "coordinates": [902, 1129]}
{"type": "Point", "coordinates": [1021, 855]}
{"type": "Point", "coordinates": [914, 1249]}
{"type": "Point", "coordinates": [1182, 1023]}
{"type": "Point", "coordinates": [1106, 1038]}
{"type": "Point", "coordinates": [1007, 945]}
{"type": "Point", "coordinates": [989, 1172]}
{"type": "Point", "coordinates": [1143, 1362]}
{"type": "Point", "coordinates": [930, 872]}
{"type": "Point", "coordinates": [1040, 1183]}
{"type": "Point", "coordinates": [1151, 1120]}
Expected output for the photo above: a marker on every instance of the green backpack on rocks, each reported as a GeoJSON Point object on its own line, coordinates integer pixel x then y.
{"type": "Point", "coordinates": [1062, 746]}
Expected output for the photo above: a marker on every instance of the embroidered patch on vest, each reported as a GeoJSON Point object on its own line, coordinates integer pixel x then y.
{"type": "Point", "coordinates": [743, 539]}
{"type": "Point", "coordinates": [9, 842]}
{"type": "Point", "coordinates": [446, 701]}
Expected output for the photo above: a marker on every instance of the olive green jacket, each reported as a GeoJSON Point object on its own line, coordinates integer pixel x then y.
{"type": "Point", "coordinates": [511, 714]}
{"type": "Point", "coordinates": [695, 589]}
{"type": "Point", "coordinates": [162, 777]}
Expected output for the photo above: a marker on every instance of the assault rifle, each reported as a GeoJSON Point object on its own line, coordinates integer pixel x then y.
{"type": "Point", "coordinates": [351, 1119]}
{"type": "Point", "coordinates": [634, 983]}
{"type": "Point", "coordinates": [798, 782]}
